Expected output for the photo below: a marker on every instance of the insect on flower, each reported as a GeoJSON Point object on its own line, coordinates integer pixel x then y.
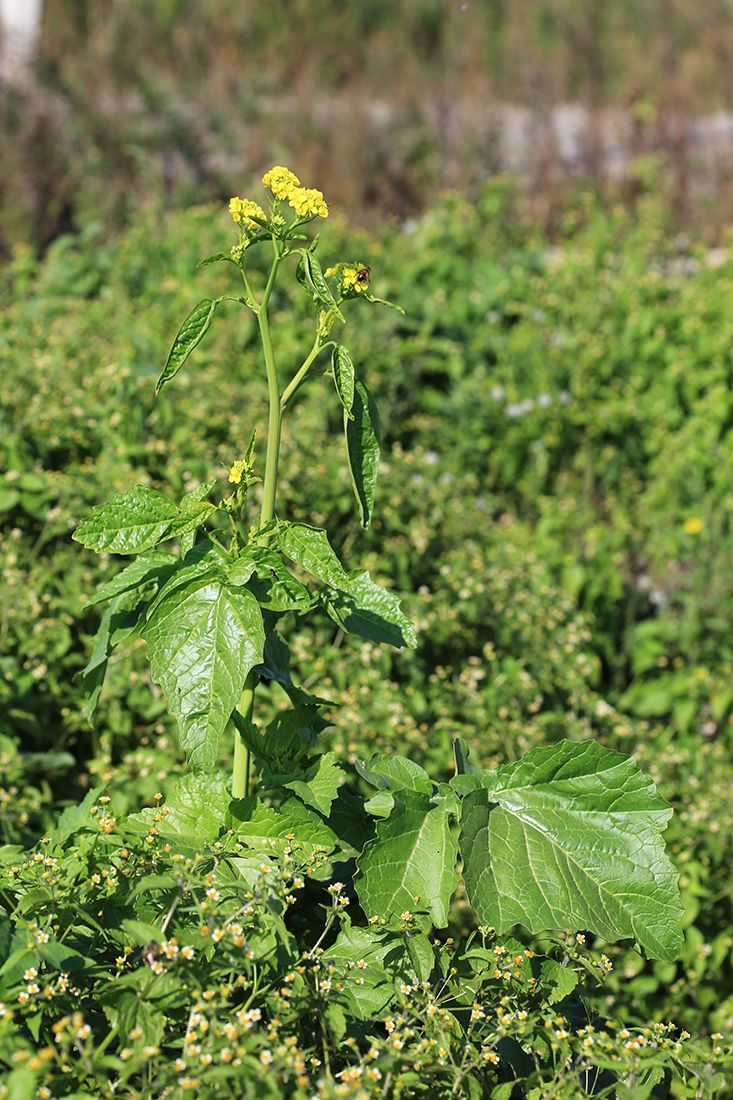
{"type": "Point", "coordinates": [363, 275]}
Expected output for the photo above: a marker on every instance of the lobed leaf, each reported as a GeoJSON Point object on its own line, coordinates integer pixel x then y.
{"type": "Point", "coordinates": [570, 836]}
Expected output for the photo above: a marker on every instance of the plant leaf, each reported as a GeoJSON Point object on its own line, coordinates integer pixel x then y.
{"type": "Point", "coordinates": [344, 377]}
{"type": "Point", "coordinates": [203, 639]}
{"type": "Point", "coordinates": [120, 620]}
{"type": "Point", "coordinates": [383, 302]}
{"type": "Point", "coordinates": [309, 275]}
{"type": "Point", "coordinates": [190, 333]}
{"type": "Point", "coordinates": [387, 962]}
{"type": "Point", "coordinates": [320, 784]}
{"type": "Point", "coordinates": [276, 666]}
{"type": "Point", "coordinates": [570, 836]}
{"type": "Point", "coordinates": [309, 547]}
{"type": "Point", "coordinates": [371, 611]}
{"type": "Point", "coordinates": [129, 523]}
{"type": "Point", "coordinates": [215, 259]}
{"type": "Point", "coordinates": [363, 445]}
{"type": "Point", "coordinates": [156, 565]}
{"type": "Point", "coordinates": [411, 863]}
{"type": "Point", "coordinates": [274, 587]}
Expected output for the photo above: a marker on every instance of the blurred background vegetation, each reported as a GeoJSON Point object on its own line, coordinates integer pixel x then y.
{"type": "Point", "coordinates": [178, 102]}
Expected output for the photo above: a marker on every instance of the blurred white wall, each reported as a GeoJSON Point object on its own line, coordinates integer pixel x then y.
{"type": "Point", "coordinates": [20, 29]}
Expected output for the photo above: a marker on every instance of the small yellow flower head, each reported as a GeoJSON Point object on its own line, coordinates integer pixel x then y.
{"type": "Point", "coordinates": [238, 470]}
{"type": "Point", "coordinates": [242, 210]}
{"type": "Point", "coordinates": [353, 278]}
{"type": "Point", "coordinates": [307, 202]}
{"type": "Point", "coordinates": [693, 526]}
{"type": "Point", "coordinates": [281, 181]}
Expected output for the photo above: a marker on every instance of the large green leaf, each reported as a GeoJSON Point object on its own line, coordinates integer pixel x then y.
{"type": "Point", "coordinates": [253, 821]}
{"type": "Point", "coordinates": [309, 547]}
{"type": "Point", "coordinates": [411, 863]}
{"type": "Point", "coordinates": [195, 812]}
{"type": "Point", "coordinates": [371, 611]}
{"type": "Point", "coordinates": [129, 523]}
{"type": "Point", "coordinates": [363, 444]}
{"type": "Point", "coordinates": [372, 963]}
{"type": "Point", "coordinates": [203, 639]}
{"type": "Point", "coordinates": [570, 837]}
{"type": "Point", "coordinates": [190, 333]}
{"type": "Point", "coordinates": [275, 588]}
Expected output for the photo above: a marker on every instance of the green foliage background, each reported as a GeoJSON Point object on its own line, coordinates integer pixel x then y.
{"type": "Point", "coordinates": [553, 418]}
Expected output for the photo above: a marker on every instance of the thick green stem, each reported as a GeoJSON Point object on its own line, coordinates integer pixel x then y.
{"type": "Point", "coordinates": [240, 775]}
{"type": "Point", "coordinates": [273, 392]}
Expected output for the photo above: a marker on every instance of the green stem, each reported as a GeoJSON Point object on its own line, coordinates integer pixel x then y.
{"type": "Point", "coordinates": [273, 392]}
{"type": "Point", "coordinates": [298, 378]}
{"type": "Point", "coordinates": [242, 763]}
{"type": "Point", "coordinates": [240, 774]}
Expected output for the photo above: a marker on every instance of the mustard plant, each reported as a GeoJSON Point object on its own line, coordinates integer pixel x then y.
{"type": "Point", "coordinates": [568, 836]}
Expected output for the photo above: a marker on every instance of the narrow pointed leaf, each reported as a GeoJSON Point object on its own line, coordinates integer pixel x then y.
{"type": "Point", "coordinates": [203, 639]}
{"type": "Point", "coordinates": [310, 277]}
{"type": "Point", "coordinates": [190, 333]}
{"type": "Point", "coordinates": [129, 523]}
{"type": "Point", "coordinates": [570, 837]}
{"type": "Point", "coordinates": [363, 448]}
{"type": "Point", "coordinates": [344, 377]}
{"type": "Point", "coordinates": [191, 516]}
{"type": "Point", "coordinates": [371, 611]}
{"type": "Point", "coordinates": [215, 259]}
{"type": "Point", "coordinates": [411, 864]}
{"type": "Point", "coordinates": [383, 302]}
{"type": "Point", "coordinates": [309, 547]}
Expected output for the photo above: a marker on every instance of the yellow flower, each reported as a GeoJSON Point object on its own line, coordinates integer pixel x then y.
{"type": "Point", "coordinates": [693, 526]}
{"type": "Point", "coordinates": [238, 470]}
{"type": "Point", "coordinates": [281, 181]}
{"type": "Point", "coordinates": [307, 202]}
{"type": "Point", "coordinates": [243, 210]}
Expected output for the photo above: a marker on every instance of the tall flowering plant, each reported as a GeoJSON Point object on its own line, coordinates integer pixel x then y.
{"type": "Point", "coordinates": [567, 836]}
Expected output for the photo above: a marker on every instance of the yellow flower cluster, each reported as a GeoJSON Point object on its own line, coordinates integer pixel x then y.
{"type": "Point", "coordinates": [307, 202]}
{"type": "Point", "coordinates": [242, 210]}
{"type": "Point", "coordinates": [281, 181]}
{"type": "Point", "coordinates": [353, 279]}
